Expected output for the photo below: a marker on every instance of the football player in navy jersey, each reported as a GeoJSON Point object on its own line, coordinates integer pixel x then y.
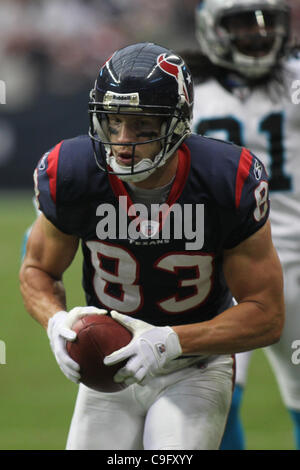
{"type": "Point", "coordinates": [172, 227]}
{"type": "Point", "coordinates": [246, 71]}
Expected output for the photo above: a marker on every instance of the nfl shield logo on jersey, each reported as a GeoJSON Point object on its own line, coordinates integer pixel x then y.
{"type": "Point", "coordinates": [257, 169]}
{"type": "Point", "coordinates": [149, 228]}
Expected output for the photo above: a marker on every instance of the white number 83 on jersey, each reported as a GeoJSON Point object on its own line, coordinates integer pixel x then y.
{"type": "Point", "coordinates": [126, 274]}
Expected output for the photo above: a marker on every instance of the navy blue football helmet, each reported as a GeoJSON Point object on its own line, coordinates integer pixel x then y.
{"type": "Point", "coordinates": [142, 79]}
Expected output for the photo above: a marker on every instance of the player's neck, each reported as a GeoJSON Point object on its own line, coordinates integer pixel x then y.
{"type": "Point", "coordinates": [162, 176]}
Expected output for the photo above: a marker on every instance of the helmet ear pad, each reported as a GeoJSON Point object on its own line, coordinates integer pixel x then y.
{"type": "Point", "coordinates": [101, 129]}
{"type": "Point", "coordinates": [96, 125]}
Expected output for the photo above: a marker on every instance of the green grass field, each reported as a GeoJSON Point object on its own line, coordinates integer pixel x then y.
{"type": "Point", "coordinates": [37, 400]}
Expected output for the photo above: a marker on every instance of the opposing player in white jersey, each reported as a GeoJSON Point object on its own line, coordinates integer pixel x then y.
{"type": "Point", "coordinates": [249, 96]}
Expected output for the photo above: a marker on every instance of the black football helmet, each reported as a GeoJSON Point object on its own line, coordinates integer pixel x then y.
{"type": "Point", "coordinates": [142, 79]}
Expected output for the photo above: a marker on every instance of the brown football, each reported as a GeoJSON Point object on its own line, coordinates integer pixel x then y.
{"type": "Point", "coordinates": [97, 337]}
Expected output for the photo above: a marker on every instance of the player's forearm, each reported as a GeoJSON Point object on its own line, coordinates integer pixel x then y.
{"type": "Point", "coordinates": [43, 296]}
{"type": "Point", "coordinates": [241, 328]}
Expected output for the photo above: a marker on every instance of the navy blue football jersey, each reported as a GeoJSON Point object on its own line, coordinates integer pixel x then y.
{"type": "Point", "coordinates": [161, 264]}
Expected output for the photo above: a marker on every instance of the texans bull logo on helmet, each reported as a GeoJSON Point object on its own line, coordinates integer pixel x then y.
{"type": "Point", "coordinates": [174, 65]}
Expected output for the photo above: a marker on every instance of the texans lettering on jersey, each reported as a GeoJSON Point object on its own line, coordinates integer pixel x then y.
{"type": "Point", "coordinates": [163, 266]}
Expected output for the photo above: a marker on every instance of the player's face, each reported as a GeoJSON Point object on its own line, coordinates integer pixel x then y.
{"type": "Point", "coordinates": [127, 129]}
{"type": "Point", "coordinates": [252, 32]}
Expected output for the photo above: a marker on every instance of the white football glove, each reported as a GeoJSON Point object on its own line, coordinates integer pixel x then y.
{"type": "Point", "coordinates": [150, 349]}
{"type": "Point", "coordinates": [59, 332]}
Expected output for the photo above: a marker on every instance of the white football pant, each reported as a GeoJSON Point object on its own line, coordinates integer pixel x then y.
{"type": "Point", "coordinates": [186, 409]}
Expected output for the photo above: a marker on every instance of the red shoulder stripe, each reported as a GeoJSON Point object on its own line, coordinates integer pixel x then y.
{"type": "Point", "coordinates": [182, 173]}
{"type": "Point", "coordinates": [242, 174]}
{"type": "Point", "coordinates": [52, 170]}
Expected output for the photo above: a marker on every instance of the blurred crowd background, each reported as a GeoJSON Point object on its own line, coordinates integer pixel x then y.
{"type": "Point", "coordinates": [50, 52]}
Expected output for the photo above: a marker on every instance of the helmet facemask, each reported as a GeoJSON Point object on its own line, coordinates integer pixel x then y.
{"type": "Point", "coordinates": [174, 129]}
{"type": "Point", "coordinates": [256, 39]}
